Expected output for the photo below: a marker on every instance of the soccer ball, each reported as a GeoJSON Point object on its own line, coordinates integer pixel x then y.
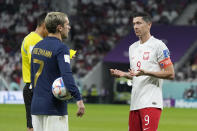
{"type": "Point", "coordinates": [59, 90]}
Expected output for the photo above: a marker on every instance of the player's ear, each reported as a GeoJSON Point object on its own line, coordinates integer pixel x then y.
{"type": "Point", "coordinates": [59, 28]}
{"type": "Point", "coordinates": [150, 24]}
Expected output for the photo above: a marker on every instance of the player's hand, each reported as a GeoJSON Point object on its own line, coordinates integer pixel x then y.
{"type": "Point", "coordinates": [117, 73]}
{"type": "Point", "coordinates": [81, 108]}
{"type": "Point", "coordinates": [131, 72]}
{"type": "Point", "coordinates": [139, 72]}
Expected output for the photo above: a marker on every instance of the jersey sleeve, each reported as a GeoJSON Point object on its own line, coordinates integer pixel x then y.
{"type": "Point", "coordinates": [63, 58]}
{"type": "Point", "coordinates": [130, 57]}
{"type": "Point", "coordinates": [29, 50]}
{"type": "Point", "coordinates": [163, 55]}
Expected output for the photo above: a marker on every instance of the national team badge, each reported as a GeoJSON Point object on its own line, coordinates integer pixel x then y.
{"type": "Point", "coordinates": [166, 53]}
{"type": "Point", "coordinates": [146, 55]}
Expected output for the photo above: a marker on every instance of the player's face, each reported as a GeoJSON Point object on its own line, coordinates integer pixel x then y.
{"type": "Point", "coordinates": [66, 29]}
{"type": "Point", "coordinates": [141, 27]}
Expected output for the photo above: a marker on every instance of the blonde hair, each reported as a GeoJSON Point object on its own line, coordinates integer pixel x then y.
{"type": "Point", "coordinates": [53, 19]}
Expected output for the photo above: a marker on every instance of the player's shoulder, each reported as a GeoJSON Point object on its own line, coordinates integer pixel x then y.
{"type": "Point", "coordinates": [157, 41]}
{"type": "Point", "coordinates": [57, 43]}
{"type": "Point", "coordinates": [27, 38]}
{"type": "Point", "coordinates": [134, 45]}
{"type": "Point", "coordinates": [32, 36]}
{"type": "Point", "coordinates": [53, 44]}
{"type": "Point", "coordinates": [62, 48]}
{"type": "Point", "coordinates": [31, 39]}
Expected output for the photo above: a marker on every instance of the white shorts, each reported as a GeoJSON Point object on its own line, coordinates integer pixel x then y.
{"type": "Point", "coordinates": [50, 123]}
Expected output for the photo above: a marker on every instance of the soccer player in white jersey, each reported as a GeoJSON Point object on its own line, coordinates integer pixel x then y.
{"type": "Point", "coordinates": [149, 64]}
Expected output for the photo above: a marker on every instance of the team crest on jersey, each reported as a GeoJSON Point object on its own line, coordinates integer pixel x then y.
{"type": "Point", "coordinates": [146, 55]}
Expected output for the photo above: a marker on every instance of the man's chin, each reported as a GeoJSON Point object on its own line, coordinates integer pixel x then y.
{"type": "Point", "coordinates": [138, 35]}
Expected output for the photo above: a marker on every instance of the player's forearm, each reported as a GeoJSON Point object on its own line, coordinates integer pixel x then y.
{"type": "Point", "coordinates": [127, 75]}
{"type": "Point", "coordinates": [161, 74]}
{"type": "Point", "coordinates": [71, 86]}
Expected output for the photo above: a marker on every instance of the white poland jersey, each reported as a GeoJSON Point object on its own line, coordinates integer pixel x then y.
{"type": "Point", "coordinates": [147, 90]}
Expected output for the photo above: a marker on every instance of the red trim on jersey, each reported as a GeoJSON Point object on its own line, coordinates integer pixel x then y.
{"type": "Point", "coordinates": [165, 63]}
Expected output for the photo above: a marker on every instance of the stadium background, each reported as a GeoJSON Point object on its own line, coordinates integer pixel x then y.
{"type": "Point", "coordinates": [101, 32]}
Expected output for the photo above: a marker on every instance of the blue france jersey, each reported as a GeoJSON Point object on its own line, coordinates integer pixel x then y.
{"type": "Point", "coordinates": [50, 60]}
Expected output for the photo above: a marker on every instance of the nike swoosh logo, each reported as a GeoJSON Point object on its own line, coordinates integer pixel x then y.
{"type": "Point", "coordinates": [146, 128]}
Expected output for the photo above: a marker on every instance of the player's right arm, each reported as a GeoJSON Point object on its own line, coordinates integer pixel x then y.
{"type": "Point", "coordinates": [119, 73]}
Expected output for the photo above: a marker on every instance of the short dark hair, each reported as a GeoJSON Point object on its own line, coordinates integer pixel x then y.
{"type": "Point", "coordinates": [40, 19]}
{"type": "Point", "coordinates": [145, 16]}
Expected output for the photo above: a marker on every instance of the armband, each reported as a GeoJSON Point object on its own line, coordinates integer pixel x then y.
{"type": "Point", "coordinates": [165, 63]}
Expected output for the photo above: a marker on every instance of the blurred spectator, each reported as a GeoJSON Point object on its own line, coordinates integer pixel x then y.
{"type": "Point", "coordinates": [193, 20]}
{"type": "Point", "coordinates": [17, 18]}
{"type": "Point", "coordinates": [99, 25]}
{"type": "Point", "coordinates": [92, 96]}
{"type": "Point", "coordinates": [189, 93]}
{"type": "Point", "coordinates": [3, 84]}
{"type": "Point", "coordinates": [189, 70]}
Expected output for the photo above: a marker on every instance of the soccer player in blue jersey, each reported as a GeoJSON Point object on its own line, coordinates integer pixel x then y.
{"type": "Point", "coordinates": [50, 60]}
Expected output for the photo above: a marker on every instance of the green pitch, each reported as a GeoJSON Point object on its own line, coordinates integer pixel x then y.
{"type": "Point", "coordinates": [101, 117]}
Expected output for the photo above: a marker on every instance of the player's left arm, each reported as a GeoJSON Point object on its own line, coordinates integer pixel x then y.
{"type": "Point", "coordinates": [165, 73]}
{"type": "Point", "coordinates": [166, 65]}
{"type": "Point", "coordinates": [63, 58]}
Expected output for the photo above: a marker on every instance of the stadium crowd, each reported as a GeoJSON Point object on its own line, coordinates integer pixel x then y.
{"type": "Point", "coordinates": [96, 28]}
{"type": "Point", "coordinates": [193, 20]}
{"type": "Point", "coordinates": [17, 19]}
{"type": "Point", "coordinates": [98, 25]}
{"type": "Point", "coordinates": [189, 70]}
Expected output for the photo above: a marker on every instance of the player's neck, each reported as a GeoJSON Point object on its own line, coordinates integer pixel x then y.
{"type": "Point", "coordinates": [39, 31]}
{"type": "Point", "coordinates": [57, 35]}
{"type": "Point", "coordinates": [144, 38]}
